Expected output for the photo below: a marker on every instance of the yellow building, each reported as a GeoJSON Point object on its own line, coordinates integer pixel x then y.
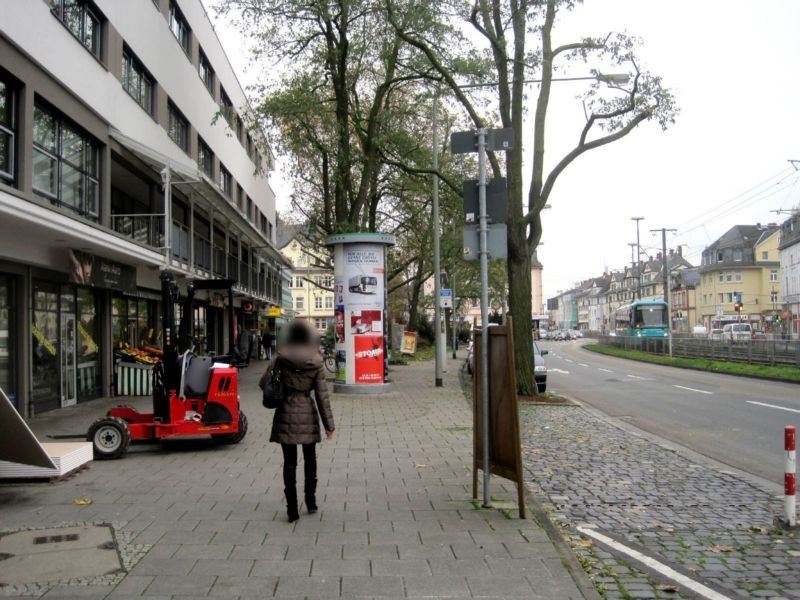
{"type": "Point", "coordinates": [311, 282]}
{"type": "Point", "coordinates": [742, 266]}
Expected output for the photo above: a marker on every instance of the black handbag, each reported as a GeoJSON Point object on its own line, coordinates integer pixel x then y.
{"type": "Point", "coordinates": [274, 389]}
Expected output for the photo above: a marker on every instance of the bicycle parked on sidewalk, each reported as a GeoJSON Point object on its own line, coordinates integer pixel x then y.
{"type": "Point", "coordinates": [328, 355]}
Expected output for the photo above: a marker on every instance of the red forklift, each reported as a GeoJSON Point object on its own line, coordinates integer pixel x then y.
{"type": "Point", "coordinates": [192, 395]}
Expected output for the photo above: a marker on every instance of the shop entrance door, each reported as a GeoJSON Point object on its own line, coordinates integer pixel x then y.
{"type": "Point", "coordinates": [69, 382]}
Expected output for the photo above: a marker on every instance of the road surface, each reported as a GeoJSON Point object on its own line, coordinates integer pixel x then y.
{"type": "Point", "coordinates": [738, 421]}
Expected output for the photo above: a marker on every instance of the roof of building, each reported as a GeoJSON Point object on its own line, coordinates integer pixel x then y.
{"type": "Point", "coordinates": [742, 236]}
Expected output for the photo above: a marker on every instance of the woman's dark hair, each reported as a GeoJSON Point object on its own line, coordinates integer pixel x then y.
{"type": "Point", "coordinates": [299, 334]}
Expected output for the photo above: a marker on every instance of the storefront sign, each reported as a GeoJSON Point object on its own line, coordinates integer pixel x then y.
{"type": "Point", "coordinates": [95, 271]}
{"type": "Point", "coordinates": [274, 311]}
{"type": "Point", "coordinates": [247, 307]}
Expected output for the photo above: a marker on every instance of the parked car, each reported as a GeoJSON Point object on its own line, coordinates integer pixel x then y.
{"type": "Point", "coordinates": [539, 368]}
{"type": "Point", "coordinates": [716, 334]}
{"type": "Point", "coordinates": [700, 331]}
{"type": "Point", "coordinates": [737, 332]}
{"type": "Point", "coordinates": [759, 334]}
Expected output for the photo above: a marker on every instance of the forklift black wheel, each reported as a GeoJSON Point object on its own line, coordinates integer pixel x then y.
{"type": "Point", "coordinates": [110, 437]}
{"type": "Point", "coordinates": [233, 438]}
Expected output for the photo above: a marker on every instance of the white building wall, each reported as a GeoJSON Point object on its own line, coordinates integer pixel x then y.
{"type": "Point", "coordinates": [790, 271]}
{"type": "Point", "coordinates": [144, 29]}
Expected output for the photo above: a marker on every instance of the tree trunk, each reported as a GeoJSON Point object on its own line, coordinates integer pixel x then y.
{"type": "Point", "coordinates": [413, 305]}
{"type": "Point", "coordinates": [519, 297]}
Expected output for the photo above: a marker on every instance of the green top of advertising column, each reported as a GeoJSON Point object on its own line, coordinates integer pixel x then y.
{"type": "Point", "coordinates": [360, 237]}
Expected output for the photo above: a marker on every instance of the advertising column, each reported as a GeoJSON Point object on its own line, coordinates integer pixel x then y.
{"type": "Point", "coordinates": [360, 307]}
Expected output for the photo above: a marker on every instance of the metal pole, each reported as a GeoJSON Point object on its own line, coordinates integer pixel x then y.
{"type": "Point", "coordinates": [638, 259]}
{"type": "Point", "coordinates": [167, 216]}
{"type": "Point", "coordinates": [437, 310]}
{"type": "Point", "coordinates": [484, 256]}
{"type": "Point", "coordinates": [667, 294]}
{"type": "Point", "coordinates": [453, 324]}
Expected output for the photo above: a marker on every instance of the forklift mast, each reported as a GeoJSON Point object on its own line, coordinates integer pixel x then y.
{"type": "Point", "coordinates": [178, 338]}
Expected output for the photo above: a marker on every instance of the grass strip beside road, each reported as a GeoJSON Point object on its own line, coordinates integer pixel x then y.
{"type": "Point", "coordinates": [780, 373]}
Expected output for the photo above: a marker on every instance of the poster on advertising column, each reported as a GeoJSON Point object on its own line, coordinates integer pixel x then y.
{"type": "Point", "coordinates": [363, 276]}
{"type": "Point", "coordinates": [368, 358]}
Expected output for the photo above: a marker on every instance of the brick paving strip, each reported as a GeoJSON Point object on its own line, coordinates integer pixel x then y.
{"type": "Point", "coordinates": [708, 523]}
{"type": "Point", "coordinates": [396, 518]}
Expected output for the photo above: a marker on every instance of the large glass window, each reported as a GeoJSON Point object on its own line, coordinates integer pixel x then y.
{"type": "Point", "coordinates": [205, 158]}
{"type": "Point", "coordinates": [6, 132]}
{"type": "Point", "coordinates": [136, 81]}
{"type": "Point", "coordinates": [226, 106]}
{"type": "Point", "coordinates": [132, 321]}
{"type": "Point", "coordinates": [88, 349]}
{"type": "Point", "coordinates": [178, 127]}
{"type": "Point", "coordinates": [8, 340]}
{"type": "Point", "coordinates": [82, 20]}
{"type": "Point", "coordinates": [206, 73]}
{"type": "Point", "coordinates": [66, 165]}
{"type": "Point", "coordinates": [178, 26]}
{"type": "Point", "coordinates": [225, 181]}
{"type": "Point", "coordinates": [45, 391]}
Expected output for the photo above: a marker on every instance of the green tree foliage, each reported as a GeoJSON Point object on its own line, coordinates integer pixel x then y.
{"type": "Point", "coordinates": [504, 62]}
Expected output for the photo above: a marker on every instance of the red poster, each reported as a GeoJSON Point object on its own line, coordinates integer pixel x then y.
{"type": "Point", "coordinates": [369, 358]}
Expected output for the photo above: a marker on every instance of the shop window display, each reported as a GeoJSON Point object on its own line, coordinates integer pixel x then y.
{"type": "Point", "coordinates": [7, 346]}
{"type": "Point", "coordinates": [88, 349]}
{"type": "Point", "coordinates": [136, 339]}
{"type": "Point", "coordinates": [45, 392]}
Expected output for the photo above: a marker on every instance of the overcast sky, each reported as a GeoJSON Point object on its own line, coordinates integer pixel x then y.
{"type": "Point", "coordinates": [734, 67]}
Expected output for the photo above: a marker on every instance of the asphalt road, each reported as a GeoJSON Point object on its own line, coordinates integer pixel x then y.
{"type": "Point", "coordinates": [736, 420]}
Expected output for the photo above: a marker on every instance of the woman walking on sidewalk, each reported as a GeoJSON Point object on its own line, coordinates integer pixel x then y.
{"type": "Point", "coordinates": [296, 420]}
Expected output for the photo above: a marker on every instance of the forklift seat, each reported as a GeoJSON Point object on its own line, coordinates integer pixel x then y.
{"type": "Point", "coordinates": [196, 375]}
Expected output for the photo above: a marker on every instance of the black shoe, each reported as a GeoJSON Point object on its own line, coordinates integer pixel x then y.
{"type": "Point", "coordinates": [311, 494]}
{"type": "Point", "coordinates": [291, 504]}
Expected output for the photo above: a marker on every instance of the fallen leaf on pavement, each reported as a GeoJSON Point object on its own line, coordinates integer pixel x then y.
{"type": "Point", "coordinates": [756, 529]}
{"type": "Point", "coordinates": [83, 501]}
{"type": "Point", "coordinates": [420, 466]}
{"type": "Point", "coordinates": [670, 589]}
{"type": "Point", "coordinates": [722, 549]}
{"type": "Point", "coordinates": [584, 544]}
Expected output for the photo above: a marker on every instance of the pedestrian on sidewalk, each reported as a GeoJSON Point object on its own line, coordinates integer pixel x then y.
{"type": "Point", "coordinates": [296, 420]}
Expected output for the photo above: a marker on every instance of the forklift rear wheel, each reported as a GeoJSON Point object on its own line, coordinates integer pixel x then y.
{"type": "Point", "coordinates": [110, 437]}
{"type": "Point", "coordinates": [233, 438]}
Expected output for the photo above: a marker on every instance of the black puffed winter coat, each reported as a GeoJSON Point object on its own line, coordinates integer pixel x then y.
{"type": "Point", "coordinates": [296, 420]}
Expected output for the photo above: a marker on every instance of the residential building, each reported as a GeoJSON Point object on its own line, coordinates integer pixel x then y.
{"type": "Point", "coordinates": [787, 312]}
{"type": "Point", "coordinates": [741, 266]}
{"type": "Point", "coordinates": [311, 279]}
{"type": "Point", "coordinates": [112, 169]}
{"type": "Point", "coordinates": [683, 301]}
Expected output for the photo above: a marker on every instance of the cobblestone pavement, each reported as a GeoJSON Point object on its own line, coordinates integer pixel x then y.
{"type": "Point", "coordinates": [396, 518]}
{"type": "Point", "coordinates": [706, 522]}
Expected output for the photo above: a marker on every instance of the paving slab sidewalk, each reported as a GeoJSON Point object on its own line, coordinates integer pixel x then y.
{"type": "Point", "coordinates": [396, 518]}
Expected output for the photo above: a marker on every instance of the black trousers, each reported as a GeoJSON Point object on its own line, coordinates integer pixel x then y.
{"type": "Point", "coordinates": [290, 465]}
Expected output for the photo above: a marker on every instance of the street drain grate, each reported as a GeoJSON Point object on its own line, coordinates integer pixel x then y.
{"type": "Point", "coordinates": [57, 554]}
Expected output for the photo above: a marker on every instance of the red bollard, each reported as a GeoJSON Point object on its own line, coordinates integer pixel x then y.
{"type": "Point", "coordinates": [790, 475]}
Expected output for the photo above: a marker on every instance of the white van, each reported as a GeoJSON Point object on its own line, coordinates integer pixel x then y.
{"type": "Point", "coordinates": [737, 331]}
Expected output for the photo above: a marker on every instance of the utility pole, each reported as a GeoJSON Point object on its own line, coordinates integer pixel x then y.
{"type": "Point", "coordinates": [665, 264]}
{"type": "Point", "coordinates": [638, 259]}
{"type": "Point", "coordinates": [634, 267]}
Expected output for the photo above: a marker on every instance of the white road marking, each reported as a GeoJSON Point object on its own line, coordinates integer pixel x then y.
{"type": "Point", "coordinates": [794, 410]}
{"type": "Point", "coordinates": [583, 365]}
{"type": "Point", "coordinates": [605, 370]}
{"type": "Point", "coordinates": [635, 377]}
{"type": "Point", "coordinates": [558, 371]}
{"type": "Point", "coordinates": [683, 387]}
{"type": "Point", "coordinates": [568, 360]}
{"type": "Point", "coordinates": [695, 586]}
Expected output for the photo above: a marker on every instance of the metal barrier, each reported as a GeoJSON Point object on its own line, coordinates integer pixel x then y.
{"type": "Point", "coordinates": [761, 352]}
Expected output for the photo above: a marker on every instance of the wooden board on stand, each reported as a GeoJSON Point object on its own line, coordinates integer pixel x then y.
{"type": "Point", "coordinates": [505, 450]}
